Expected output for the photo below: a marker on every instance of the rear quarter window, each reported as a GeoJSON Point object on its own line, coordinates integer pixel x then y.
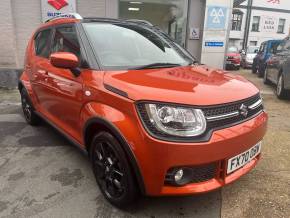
{"type": "Point", "coordinates": [42, 43]}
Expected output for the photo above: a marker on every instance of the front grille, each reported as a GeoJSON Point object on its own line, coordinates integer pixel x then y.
{"type": "Point", "coordinates": [220, 112]}
{"type": "Point", "coordinates": [199, 174]}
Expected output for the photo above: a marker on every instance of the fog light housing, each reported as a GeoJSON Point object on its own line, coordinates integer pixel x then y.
{"type": "Point", "coordinates": [178, 175]}
{"type": "Point", "coordinates": [182, 176]}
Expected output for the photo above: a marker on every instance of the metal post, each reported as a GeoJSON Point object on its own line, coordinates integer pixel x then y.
{"type": "Point", "coordinates": [248, 22]}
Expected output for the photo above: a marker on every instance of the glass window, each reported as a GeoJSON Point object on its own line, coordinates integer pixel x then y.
{"type": "Point", "coordinates": [237, 19]}
{"type": "Point", "coordinates": [65, 40]}
{"type": "Point", "coordinates": [262, 47]}
{"type": "Point", "coordinates": [170, 16]}
{"type": "Point", "coordinates": [281, 25]}
{"type": "Point", "coordinates": [255, 24]}
{"type": "Point", "coordinates": [42, 43]}
{"type": "Point", "coordinates": [253, 43]}
{"type": "Point", "coordinates": [124, 46]}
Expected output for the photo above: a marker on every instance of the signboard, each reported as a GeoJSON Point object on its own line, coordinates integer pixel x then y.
{"type": "Point", "coordinates": [52, 8]}
{"type": "Point", "coordinates": [214, 44]}
{"type": "Point", "coordinates": [276, 4]}
{"type": "Point", "coordinates": [216, 18]}
{"type": "Point", "coordinates": [194, 33]}
{"type": "Point", "coordinates": [269, 24]}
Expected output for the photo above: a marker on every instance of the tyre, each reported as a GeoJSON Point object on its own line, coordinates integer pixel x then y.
{"type": "Point", "coordinates": [281, 92]}
{"type": "Point", "coordinates": [265, 78]}
{"type": "Point", "coordinates": [28, 110]}
{"type": "Point", "coordinates": [238, 68]}
{"type": "Point", "coordinates": [112, 170]}
{"type": "Point", "coordinates": [261, 71]}
{"type": "Point", "coordinates": [254, 68]}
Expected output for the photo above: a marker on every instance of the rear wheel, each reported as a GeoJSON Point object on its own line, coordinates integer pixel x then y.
{"type": "Point", "coordinates": [281, 92]}
{"type": "Point", "coordinates": [265, 78]}
{"type": "Point", "coordinates": [27, 108]}
{"type": "Point", "coordinates": [112, 170]}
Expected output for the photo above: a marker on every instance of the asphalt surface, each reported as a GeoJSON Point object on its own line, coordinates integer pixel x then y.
{"type": "Point", "coordinates": [43, 175]}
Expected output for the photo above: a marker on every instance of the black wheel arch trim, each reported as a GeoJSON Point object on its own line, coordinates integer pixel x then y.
{"type": "Point", "coordinates": [22, 86]}
{"type": "Point", "coordinates": [125, 146]}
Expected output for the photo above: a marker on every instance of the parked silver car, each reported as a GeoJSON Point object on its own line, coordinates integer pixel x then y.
{"type": "Point", "coordinates": [248, 56]}
{"type": "Point", "coordinates": [278, 69]}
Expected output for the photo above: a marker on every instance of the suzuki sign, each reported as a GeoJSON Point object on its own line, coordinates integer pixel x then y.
{"type": "Point", "coordinates": [52, 8]}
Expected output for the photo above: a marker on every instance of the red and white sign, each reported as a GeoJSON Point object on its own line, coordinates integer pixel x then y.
{"type": "Point", "coordinates": [52, 8]}
{"type": "Point", "coordinates": [276, 4]}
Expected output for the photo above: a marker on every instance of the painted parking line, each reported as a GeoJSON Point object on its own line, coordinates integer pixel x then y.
{"type": "Point", "coordinates": [11, 118]}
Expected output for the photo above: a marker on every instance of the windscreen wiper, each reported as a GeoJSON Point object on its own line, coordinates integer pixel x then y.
{"type": "Point", "coordinates": [155, 65]}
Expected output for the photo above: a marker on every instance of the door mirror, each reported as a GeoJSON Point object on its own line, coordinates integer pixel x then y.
{"type": "Point", "coordinates": [65, 60]}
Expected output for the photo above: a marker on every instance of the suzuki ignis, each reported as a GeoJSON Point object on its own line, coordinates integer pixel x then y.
{"type": "Point", "coordinates": [151, 119]}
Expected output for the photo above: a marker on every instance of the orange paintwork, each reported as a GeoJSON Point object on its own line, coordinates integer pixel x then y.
{"type": "Point", "coordinates": [64, 59]}
{"type": "Point", "coordinates": [60, 97]}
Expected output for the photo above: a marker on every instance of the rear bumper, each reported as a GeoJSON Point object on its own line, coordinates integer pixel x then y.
{"type": "Point", "coordinates": [156, 157]}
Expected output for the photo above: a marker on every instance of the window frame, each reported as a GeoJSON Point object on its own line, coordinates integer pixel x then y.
{"type": "Point", "coordinates": [50, 41]}
{"type": "Point", "coordinates": [238, 21]}
{"type": "Point", "coordinates": [258, 24]}
{"type": "Point", "coordinates": [284, 24]}
{"type": "Point", "coordinates": [84, 63]}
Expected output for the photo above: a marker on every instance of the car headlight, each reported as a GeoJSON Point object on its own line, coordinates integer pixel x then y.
{"type": "Point", "coordinates": [174, 120]}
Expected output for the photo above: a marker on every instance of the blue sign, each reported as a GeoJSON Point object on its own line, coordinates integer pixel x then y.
{"type": "Point", "coordinates": [216, 17]}
{"type": "Point", "coordinates": [214, 44]}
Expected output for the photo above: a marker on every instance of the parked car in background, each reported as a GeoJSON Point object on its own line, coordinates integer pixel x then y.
{"type": "Point", "coordinates": [278, 69]}
{"type": "Point", "coordinates": [248, 56]}
{"type": "Point", "coordinates": [233, 58]}
{"type": "Point", "coordinates": [265, 51]}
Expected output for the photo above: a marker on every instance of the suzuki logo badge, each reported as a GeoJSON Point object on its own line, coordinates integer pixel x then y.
{"type": "Point", "coordinates": [244, 110]}
{"type": "Point", "coordinates": [57, 4]}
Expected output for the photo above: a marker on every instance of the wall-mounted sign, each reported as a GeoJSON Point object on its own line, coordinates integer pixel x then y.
{"type": "Point", "coordinates": [52, 8]}
{"type": "Point", "coordinates": [269, 24]}
{"type": "Point", "coordinates": [194, 33]}
{"type": "Point", "coordinates": [216, 17]}
{"type": "Point", "coordinates": [214, 44]}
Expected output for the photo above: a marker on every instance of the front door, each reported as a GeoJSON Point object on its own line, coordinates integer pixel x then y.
{"type": "Point", "coordinates": [65, 91]}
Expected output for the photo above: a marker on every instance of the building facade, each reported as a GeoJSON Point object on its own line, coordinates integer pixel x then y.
{"type": "Point", "coordinates": [270, 19]}
{"type": "Point", "coordinates": [201, 26]}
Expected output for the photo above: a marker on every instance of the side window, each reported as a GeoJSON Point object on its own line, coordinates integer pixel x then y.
{"type": "Point", "coordinates": [281, 46]}
{"type": "Point", "coordinates": [42, 42]}
{"type": "Point", "coordinates": [65, 40]}
{"type": "Point", "coordinates": [287, 45]}
{"type": "Point", "coordinates": [262, 47]}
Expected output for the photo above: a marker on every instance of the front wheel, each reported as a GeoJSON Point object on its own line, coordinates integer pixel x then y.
{"type": "Point", "coordinates": [112, 170]}
{"type": "Point", "coordinates": [281, 92]}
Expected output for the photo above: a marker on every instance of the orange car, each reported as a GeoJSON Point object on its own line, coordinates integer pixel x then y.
{"type": "Point", "coordinates": [152, 120]}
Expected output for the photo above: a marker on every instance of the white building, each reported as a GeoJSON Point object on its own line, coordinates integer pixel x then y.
{"type": "Point", "coordinates": [270, 19]}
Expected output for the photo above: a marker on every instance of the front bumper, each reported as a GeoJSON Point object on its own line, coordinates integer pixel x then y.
{"type": "Point", "coordinates": [156, 157]}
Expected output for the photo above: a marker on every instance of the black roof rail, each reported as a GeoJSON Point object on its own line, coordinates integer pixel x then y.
{"type": "Point", "coordinates": [68, 15]}
{"type": "Point", "coordinates": [140, 21]}
{"type": "Point", "coordinates": [105, 19]}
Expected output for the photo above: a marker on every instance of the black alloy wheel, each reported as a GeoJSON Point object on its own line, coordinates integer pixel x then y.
{"type": "Point", "coordinates": [112, 171]}
{"type": "Point", "coordinates": [27, 108]}
{"type": "Point", "coordinates": [281, 92]}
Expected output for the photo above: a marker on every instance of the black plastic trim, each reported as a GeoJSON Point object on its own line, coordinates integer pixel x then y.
{"type": "Point", "coordinates": [116, 132]}
{"type": "Point", "coordinates": [116, 90]}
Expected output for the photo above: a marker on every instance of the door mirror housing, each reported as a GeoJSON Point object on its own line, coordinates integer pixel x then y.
{"type": "Point", "coordinates": [64, 60]}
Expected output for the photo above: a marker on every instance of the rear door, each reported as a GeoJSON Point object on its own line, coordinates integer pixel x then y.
{"type": "Point", "coordinates": [39, 65]}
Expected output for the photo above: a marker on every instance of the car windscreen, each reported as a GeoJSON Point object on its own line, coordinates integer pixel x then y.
{"type": "Point", "coordinates": [252, 50]}
{"type": "Point", "coordinates": [129, 46]}
{"type": "Point", "coordinates": [233, 50]}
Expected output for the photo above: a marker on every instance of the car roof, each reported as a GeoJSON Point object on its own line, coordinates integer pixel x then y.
{"type": "Point", "coordinates": [67, 20]}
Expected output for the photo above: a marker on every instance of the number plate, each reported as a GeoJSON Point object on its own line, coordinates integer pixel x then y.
{"type": "Point", "coordinates": [242, 159]}
{"type": "Point", "coordinates": [228, 62]}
